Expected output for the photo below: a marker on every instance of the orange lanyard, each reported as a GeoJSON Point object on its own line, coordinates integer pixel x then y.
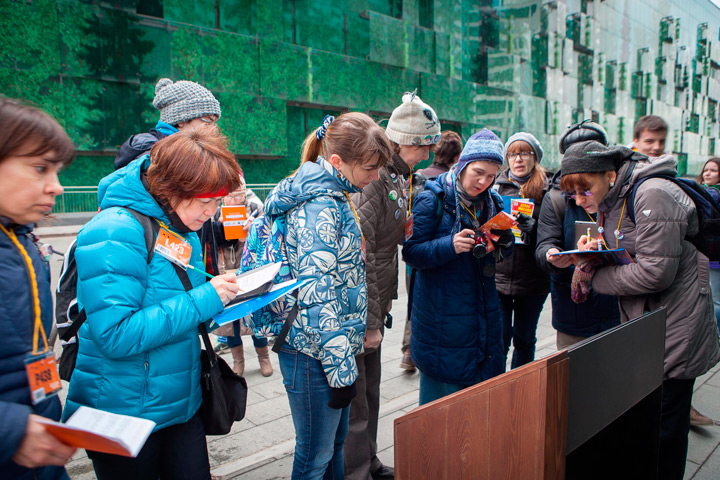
{"type": "Point", "coordinates": [38, 330]}
{"type": "Point", "coordinates": [357, 219]}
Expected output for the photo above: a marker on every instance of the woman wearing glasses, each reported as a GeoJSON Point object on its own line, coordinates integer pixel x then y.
{"type": "Point", "coordinates": [555, 233]}
{"type": "Point", "coordinates": [668, 271]}
{"type": "Point", "coordinates": [522, 286]}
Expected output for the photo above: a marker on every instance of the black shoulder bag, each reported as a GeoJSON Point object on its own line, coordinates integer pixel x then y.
{"type": "Point", "coordinates": [224, 393]}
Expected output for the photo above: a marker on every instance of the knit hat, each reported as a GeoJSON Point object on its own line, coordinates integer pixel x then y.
{"type": "Point", "coordinates": [594, 157]}
{"type": "Point", "coordinates": [579, 132]}
{"type": "Point", "coordinates": [413, 123]}
{"type": "Point", "coordinates": [183, 101]}
{"type": "Point", "coordinates": [483, 145]}
{"type": "Point", "coordinates": [527, 138]}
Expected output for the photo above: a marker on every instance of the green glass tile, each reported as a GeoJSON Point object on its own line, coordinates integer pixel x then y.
{"type": "Point", "coordinates": [153, 45]}
{"type": "Point", "coordinates": [254, 125]}
{"type": "Point", "coordinates": [358, 35]}
{"type": "Point", "coordinates": [186, 54]}
{"type": "Point", "coordinates": [29, 36]}
{"type": "Point", "coordinates": [84, 116]}
{"type": "Point", "coordinates": [269, 22]}
{"type": "Point", "coordinates": [319, 26]}
{"type": "Point", "coordinates": [238, 16]}
{"type": "Point", "coordinates": [37, 87]}
{"type": "Point", "coordinates": [284, 71]}
{"type": "Point", "coordinates": [80, 39]}
{"type": "Point", "coordinates": [197, 12]}
{"type": "Point", "coordinates": [421, 49]}
{"type": "Point", "coordinates": [87, 171]}
{"type": "Point", "coordinates": [388, 42]}
{"type": "Point", "coordinates": [230, 63]}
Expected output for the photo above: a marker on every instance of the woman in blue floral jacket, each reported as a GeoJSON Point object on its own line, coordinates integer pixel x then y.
{"type": "Point", "coordinates": [324, 243]}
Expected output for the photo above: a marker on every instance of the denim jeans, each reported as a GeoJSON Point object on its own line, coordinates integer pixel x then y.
{"type": "Point", "coordinates": [521, 329]}
{"type": "Point", "coordinates": [431, 390]}
{"type": "Point", "coordinates": [320, 431]}
{"type": "Point", "coordinates": [715, 287]}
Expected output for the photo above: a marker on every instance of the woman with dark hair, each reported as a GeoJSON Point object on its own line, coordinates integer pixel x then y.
{"type": "Point", "coordinates": [456, 315]}
{"type": "Point", "coordinates": [447, 151]}
{"type": "Point", "coordinates": [522, 286]}
{"type": "Point", "coordinates": [33, 149]}
{"type": "Point", "coordinates": [139, 353]}
{"type": "Point", "coordinates": [668, 271]}
{"type": "Point", "coordinates": [325, 245]}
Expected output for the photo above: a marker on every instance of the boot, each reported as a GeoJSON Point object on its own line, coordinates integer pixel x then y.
{"type": "Point", "coordinates": [238, 356]}
{"type": "Point", "coordinates": [264, 360]}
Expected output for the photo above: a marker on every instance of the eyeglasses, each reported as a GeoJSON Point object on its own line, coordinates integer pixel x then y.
{"type": "Point", "coordinates": [236, 195]}
{"type": "Point", "coordinates": [523, 155]}
{"type": "Point", "coordinates": [586, 193]}
{"type": "Point", "coordinates": [209, 118]}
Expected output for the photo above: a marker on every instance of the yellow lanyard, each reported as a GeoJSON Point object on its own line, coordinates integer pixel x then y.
{"type": "Point", "coordinates": [471, 213]}
{"type": "Point", "coordinates": [407, 215]}
{"type": "Point", "coordinates": [38, 330]}
{"type": "Point", "coordinates": [357, 219]}
{"type": "Point", "coordinates": [522, 194]}
{"type": "Point", "coordinates": [617, 231]}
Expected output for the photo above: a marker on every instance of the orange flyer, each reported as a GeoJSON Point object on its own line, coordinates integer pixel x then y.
{"type": "Point", "coordinates": [501, 221]}
{"type": "Point", "coordinates": [234, 219]}
{"type": "Point", "coordinates": [520, 205]}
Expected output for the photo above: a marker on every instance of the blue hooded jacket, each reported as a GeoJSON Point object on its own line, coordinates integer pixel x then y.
{"type": "Point", "coordinates": [456, 315]}
{"type": "Point", "coordinates": [16, 325]}
{"type": "Point", "coordinates": [324, 242]}
{"type": "Point", "coordinates": [139, 353]}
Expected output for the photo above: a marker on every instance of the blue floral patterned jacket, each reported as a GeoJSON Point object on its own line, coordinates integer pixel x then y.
{"type": "Point", "coordinates": [324, 243]}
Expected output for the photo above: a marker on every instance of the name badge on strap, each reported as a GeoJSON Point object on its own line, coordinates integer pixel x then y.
{"type": "Point", "coordinates": [409, 227]}
{"type": "Point", "coordinates": [42, 376]}
{"type": "Point", "coordinates": [173, 247]}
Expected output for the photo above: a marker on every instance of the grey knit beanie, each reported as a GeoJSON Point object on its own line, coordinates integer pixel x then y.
{"type": "Point", "coordinates": [413, 123]}
{"type": "Point", "coordinates": [183, 101]}
{"type": "Point", "coordinates": [528, 138]}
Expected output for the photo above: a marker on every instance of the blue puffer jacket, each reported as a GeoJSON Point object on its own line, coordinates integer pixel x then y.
{"type": "Point", "coordinates": [456, 316]}
{"type": "Point", "coordinates": [139, 353]}
{"type": "Point", "coordinates": [324, 243]}
{"type": "Point", "coordinates": [16, 324]}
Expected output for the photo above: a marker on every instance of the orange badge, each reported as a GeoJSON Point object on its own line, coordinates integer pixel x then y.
{"type": "Point", "coordinates": [42, 376]}
{"type": "Point", "coordinates": [173, 247]}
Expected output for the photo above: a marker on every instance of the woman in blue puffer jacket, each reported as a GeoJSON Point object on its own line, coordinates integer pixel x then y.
{"type": "Point", "coordinates": [456, 316]}
{"type": "Point", "coordinates": [33, 149]}
{"type": "Point", "coordinates": [139, 353]}
{"type": "Point", "coordinates": [325, 246]}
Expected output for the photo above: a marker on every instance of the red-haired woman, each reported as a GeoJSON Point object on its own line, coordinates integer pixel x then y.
{"type": "Point", "coordinates": [522, 286]}
{"type": "Point", "coordinates": [139, 353]}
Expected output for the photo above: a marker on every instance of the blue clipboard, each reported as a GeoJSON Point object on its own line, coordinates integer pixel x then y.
{"type": "Point", "coordinates": [242, 309]}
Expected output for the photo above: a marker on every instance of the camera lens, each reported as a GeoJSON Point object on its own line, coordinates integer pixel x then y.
{"type": "Point", "coordinates": [479, 250]}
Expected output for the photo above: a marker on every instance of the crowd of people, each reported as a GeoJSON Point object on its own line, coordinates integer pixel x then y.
{"type": "Point", "coordinates": [355, 199]}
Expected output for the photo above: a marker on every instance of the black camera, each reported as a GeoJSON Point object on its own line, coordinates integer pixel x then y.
{"type": "Point", "coordinates": [480, 249]}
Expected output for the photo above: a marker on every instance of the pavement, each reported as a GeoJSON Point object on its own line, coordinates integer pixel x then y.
{"type": "Point", "coordinates": [260, 447]}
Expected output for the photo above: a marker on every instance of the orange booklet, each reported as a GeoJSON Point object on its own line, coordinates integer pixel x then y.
{"type": "Point", "coordinates": [101, 431]}
{"type": "Point", "coordinates": [234, 219]}
{"type": "Point", "coordinates": [501, 221]}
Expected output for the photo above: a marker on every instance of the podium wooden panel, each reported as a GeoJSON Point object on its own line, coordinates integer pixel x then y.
{"type": "Point", "coordinates": [456, 437]}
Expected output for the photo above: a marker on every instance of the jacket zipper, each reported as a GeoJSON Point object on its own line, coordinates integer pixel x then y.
{"type": "Point", "coordinates": [145, 383]}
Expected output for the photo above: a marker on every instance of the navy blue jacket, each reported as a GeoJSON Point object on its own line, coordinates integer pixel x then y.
{"type": "Point", "coordinates": [456, 316]}
{"type": "Point", "coordinates": [16, 324]}
{"type": "Point", "coordinates": [599, 312]}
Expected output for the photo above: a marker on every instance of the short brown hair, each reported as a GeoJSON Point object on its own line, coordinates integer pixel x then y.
{"type": "Point", "coordinates": [191, 163]}
{"type": "Point", "coordinates": [28, 131]}
{"type": "Point", "coordinates": [354, 136]}
{"type": "Point", "coordinates": [448, 148]}
{"type": "Point", "coordinates": [574, 182]}
{"type": "Point", "coordinates": [652, 123]}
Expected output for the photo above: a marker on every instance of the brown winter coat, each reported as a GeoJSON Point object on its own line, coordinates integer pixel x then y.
{"type": "Point", "coordinates": [382, 220]}
{"type": "Point", "coordinates": [668, 270]}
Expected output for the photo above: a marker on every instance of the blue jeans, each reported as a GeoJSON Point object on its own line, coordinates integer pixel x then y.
{"type": "Point", "coordinates": [521, 330]}
{"type": "Point", "coordinates": [431, 390]}
{"type": "Point", "coordinates": [236, 341]}
{"type": "Point", "coordinates": [715, 287]}
{"type": "Point", "coordinates": [320, 431]}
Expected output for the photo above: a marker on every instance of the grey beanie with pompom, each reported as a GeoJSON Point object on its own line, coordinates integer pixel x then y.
{"type": "Point", "coordinates": [183, 101]}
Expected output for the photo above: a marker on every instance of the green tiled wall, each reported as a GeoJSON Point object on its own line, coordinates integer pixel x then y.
{"type": "Point", "coordinates": [279, 66]}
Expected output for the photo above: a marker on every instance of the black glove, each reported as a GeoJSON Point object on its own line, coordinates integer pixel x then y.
{"type": "Point", "coordinates": [506, 239]}
{"type": "Point", "coordinates": [341, 397]}
{"type": "Point", "coordinates": [526, 223]}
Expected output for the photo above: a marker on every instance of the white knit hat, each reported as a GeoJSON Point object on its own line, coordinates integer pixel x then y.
{"type": "Point", "coordinates": [413, 123]}
{"type": "Point", "coordinates": [183, 101]}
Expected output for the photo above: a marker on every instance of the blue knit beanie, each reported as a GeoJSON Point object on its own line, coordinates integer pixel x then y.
{"type": "Point", "coordinates": [482, 146]}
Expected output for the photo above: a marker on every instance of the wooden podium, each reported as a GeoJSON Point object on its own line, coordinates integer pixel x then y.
{"type": "Point", "coordinates": [589, 402]}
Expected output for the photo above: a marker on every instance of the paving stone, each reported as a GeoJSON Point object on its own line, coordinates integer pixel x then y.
{"type": "Point", "coordinates": [232, 447]}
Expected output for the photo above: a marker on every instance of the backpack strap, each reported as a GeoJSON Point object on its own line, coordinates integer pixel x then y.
{"type": "Point", "coordinates": [286, 326]}
{"type": "Point", "coordinates": [631, 206]}
{"type": "Point", "coordinates": [151, 229]}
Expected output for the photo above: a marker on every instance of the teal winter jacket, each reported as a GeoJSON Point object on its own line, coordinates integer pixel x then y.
{"type": "Point", "coordinates": [139, 353]}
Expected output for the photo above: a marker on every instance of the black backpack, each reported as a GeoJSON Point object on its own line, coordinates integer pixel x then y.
{"type": "Point", "coordinates": [68, 316]}
{"type": "Point", "coordinates": [707, 240]}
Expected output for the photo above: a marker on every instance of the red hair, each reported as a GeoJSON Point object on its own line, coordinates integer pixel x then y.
{"type": "Point", "coordinates": [580, 182]}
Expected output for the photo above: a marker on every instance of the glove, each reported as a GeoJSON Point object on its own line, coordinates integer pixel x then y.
{"type": "Point", "coordinates": [526, 223]}
{"type": "Point", "coordinates": [341, 397]}
{"type": "Point", "coordinates": [582, 280]}
{"type": "Point", "coordinates": [506, 238]}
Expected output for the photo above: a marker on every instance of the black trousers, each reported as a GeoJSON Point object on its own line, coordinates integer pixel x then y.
{"type": "Point", "coordinates": [674, 428]}
{"type": "Point", "coordinates": [175, 452]}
